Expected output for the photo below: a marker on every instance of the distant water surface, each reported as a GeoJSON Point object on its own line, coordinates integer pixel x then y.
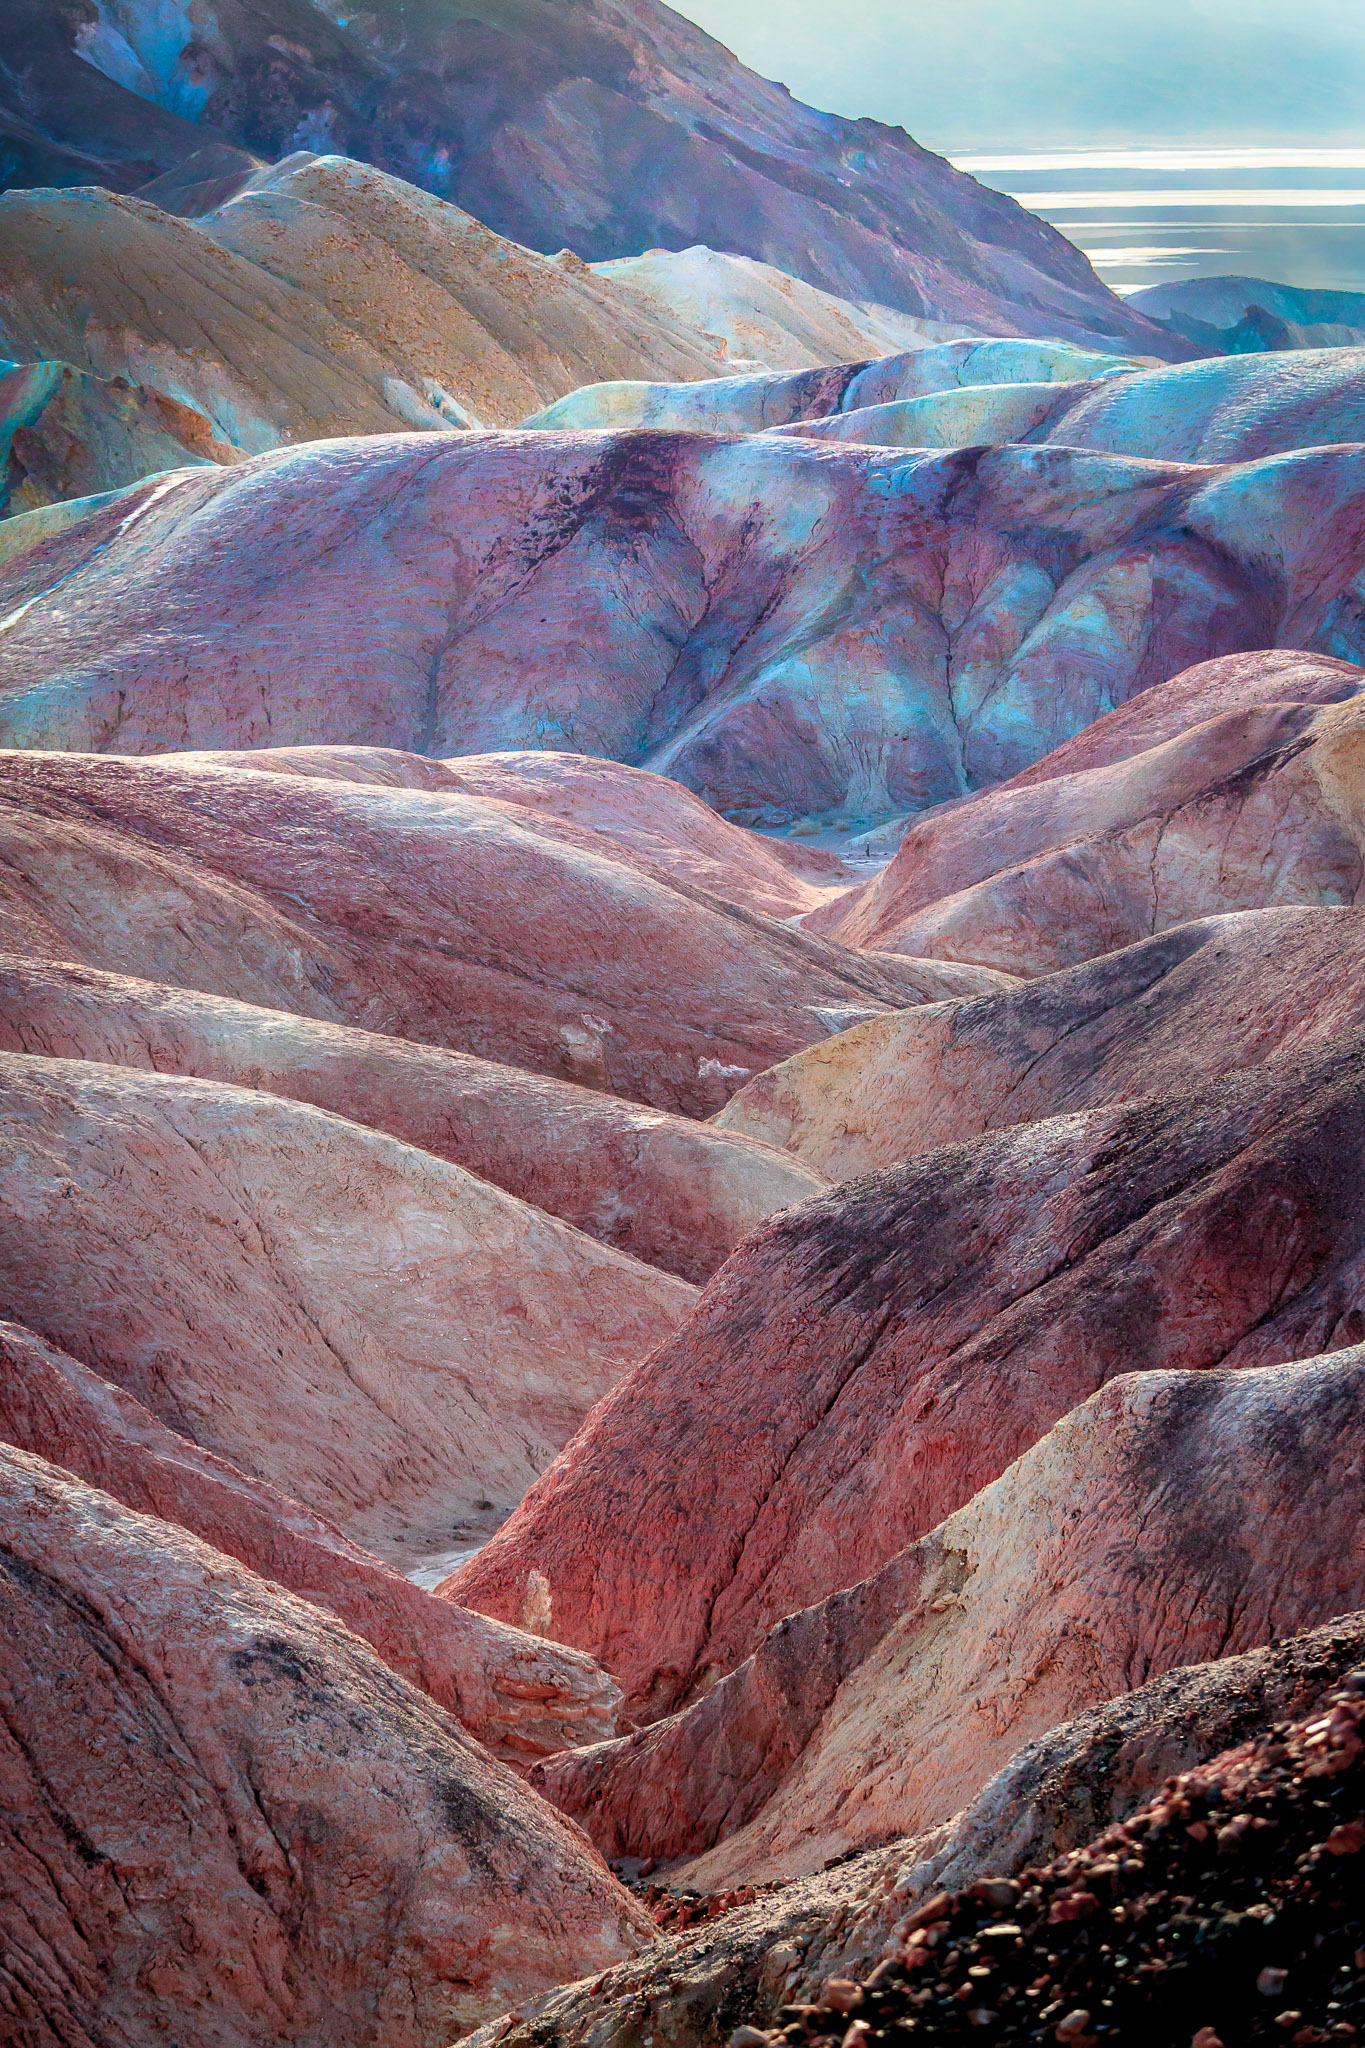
{"type": "Point", "coordinates": [1151, 216]}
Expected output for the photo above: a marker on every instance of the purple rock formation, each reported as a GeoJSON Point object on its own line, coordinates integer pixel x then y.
{"type": "Point", "coordinates": [786, 628]}
{"type": "Point", "coordinates": [607, 125]}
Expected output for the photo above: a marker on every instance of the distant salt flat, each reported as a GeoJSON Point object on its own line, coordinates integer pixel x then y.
{"type": "Point", "coordinates": [1148, 216]}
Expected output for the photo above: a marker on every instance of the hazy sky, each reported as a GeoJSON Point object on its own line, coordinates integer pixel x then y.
{"type": "Point", "coordinates": [971, 74]}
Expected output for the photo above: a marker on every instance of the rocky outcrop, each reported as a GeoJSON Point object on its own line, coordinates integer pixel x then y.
{"type": "Point", "coordinates": [522, 1697]}
{"type": "Point", "coordinates": [762, 316]}
{"type": "Point", "coordinates": [1154, 1018]}
{"type": "Point", "coordinates": [1062, 1790]}
{"type": "Point", "coordinates": [1249, 810]}
{"type": "Point", "coordinates": [675, 1193]}
{"type": "Point", "coordinates": [867, 1362]}
{"type": "Point", "coordinates": [457, 312]}
{"type": "Point", "coordinates": [762, 401]}
{"type": "Point", "coordinates": [788, 629]}
{"type": "Point", "coordinates": [1222, 410]}
{"type": "Point", "coordinates": [327, 299]}
{"type": "Point", "coordinates": [1172, 1518]}
{"type": "Point", "coordinates": [221, 1810]}
{"type": "Point", "coordinates": [395, 1344]}
{"type": "Point", "coordinates": [1253, 1857]}
{"type": "Point", "coordinates": [67, 435]}
{"type": "Point", "coordinates": [438, 916]}
{"type": "Point", "coordinates": [623, 128]}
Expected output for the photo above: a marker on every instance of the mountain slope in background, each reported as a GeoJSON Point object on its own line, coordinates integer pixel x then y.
{"type": "Point", "coordinates": [611, 126]}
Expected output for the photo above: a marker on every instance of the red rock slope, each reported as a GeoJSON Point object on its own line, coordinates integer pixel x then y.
{"type": "Point", "coordinates": [675, 1193]}
{"type": "Point", "coordinates": [521, 1696]}
{"type": "Point", "coordinates": [221, 1813]}
{"type": "Point", "coordinates": [1254, 807]}
{"type": "Point", "coordinates": [397, 1345]}
{"type": "Point", "coordinates": [436, 916]}
{"type": "Point", "coordinates": [867, 1362]}
{"type": "Point", "coordinates": [1172, 1518]}
{"type": "Point", "coordinates": [1059, 1793]}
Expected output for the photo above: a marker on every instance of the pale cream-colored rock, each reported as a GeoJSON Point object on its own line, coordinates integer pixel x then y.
{"type": "Point", "coordinates": [763, 314]}
{"type": "Point", "coordinates": [397, 1345]}
{"type": "Point", "coordinates": [444, 301]}
{"type": "Point", "coordinates": [1157, 1017]}
{"type": "Point", "coordinates": [224, 1822]}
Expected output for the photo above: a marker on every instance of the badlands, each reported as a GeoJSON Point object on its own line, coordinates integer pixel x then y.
{"type": "Point", "coordinates": [682, 1070]}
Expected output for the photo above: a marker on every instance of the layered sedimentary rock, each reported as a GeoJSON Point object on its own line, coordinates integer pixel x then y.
{"type": "Point", "coordinates": [64, 434]}
{"type": "Point", "coordinates": [1250, 809]}
{"type": "Point", "coordinates": [668, 1190]}
{"type": "Point", "coordinates": [329, 299]}
{"type": "Point", "coordinates": [764, 400]}
{"type": "Point", "coordinates": [1155, 1018]}
{"type": "Point", "coordinates": [521, 1696]}
{"type": "Point", "coordinates": [786, 628]}
{"type": "Point", "coordinates": [369, 1329]}
{"type": "Point", "coordinates": [222, 1811]}
{"type": "Point", "coordinates": [1172, 1518]}
{"type": "Point", "coordinates": [1060, 1791]}
{"type": "Point", "coordinates": [614, 129]}
{"type": "Point", "coordinates": [764, 315]}
{"type": "Point", "coordinates": [456, 311]}
{"type": "Point", "coordinates": [433, 915]}
{"type": "Point", "coordinates": [867, 1362]}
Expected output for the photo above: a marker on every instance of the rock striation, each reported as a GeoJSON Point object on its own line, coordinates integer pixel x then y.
{"type": "Point", "coordinates": [364, 1327]}
{"type": "Point", "coordinates": [1158, 1017]}
{"type": "Point", "coordinates": [666, 1189]}
{"type": "Point", "coordinates": [433, 915]}
{"type": "Point", "coordinates": [220, 1809]}
{"type": "Point", "coordinates": [870, 1360]}
{"type": "Point", "coordinates": [621, 129]}
{"type": "Point", "coordinates": [521, 1696]}
{"type": "Point", "coordinates": [1171, 1518]}
{"type": "Point", "coordinates": [1251, 808]}
{"type": "Point", "coordinates": [788, 629]}
{"type": "Point", "coordinates": [1060, 1791]}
